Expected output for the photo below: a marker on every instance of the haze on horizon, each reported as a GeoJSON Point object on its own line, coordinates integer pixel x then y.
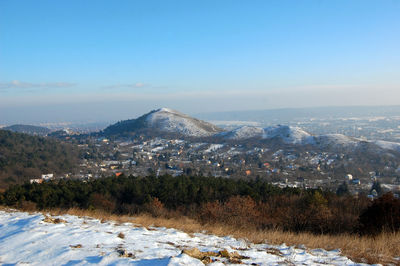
{"type": "Point", "coordinates": [101, 60]}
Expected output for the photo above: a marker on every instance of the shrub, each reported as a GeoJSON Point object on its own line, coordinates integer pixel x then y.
{"type": "Point", "coordinates": [382, 215]}
{"type": "Point", "coordinates": [155, 207]}
{"type": "Point", "coordinates": [99, 201]}
{"type": "Point", "coordinates": [240, 211]}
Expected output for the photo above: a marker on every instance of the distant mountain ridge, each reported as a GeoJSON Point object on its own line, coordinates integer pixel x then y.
{"type": "Point", "coordinates": [28, 129]}
{"type": "Point", "coordinates": [289, 114]}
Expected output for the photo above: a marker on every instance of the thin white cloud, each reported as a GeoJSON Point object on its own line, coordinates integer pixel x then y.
{"type": "Point", "coordinates": [16, 84]}
{"type": "Point", "coordinates": [127, 86]}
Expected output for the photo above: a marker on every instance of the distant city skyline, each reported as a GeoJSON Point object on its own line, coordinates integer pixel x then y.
{"type": "Point", "coordinates": [101, 60]}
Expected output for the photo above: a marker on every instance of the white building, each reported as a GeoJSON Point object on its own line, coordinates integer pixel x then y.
{"type": "Point", "coordinates": [47, 176]}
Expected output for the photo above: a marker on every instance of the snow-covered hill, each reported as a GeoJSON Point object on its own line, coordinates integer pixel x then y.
{"type": "Point", "coordinates": [336, 140]}
{"type": "Point", "coordinates": [169, 120]}
{"type": "Point", "coordinates": [287, 134]}
{"type": "Point", "coordinates": [387, 145]}
{"type": "Point", "coordinates": [296, 135]}
{"type": "Point", "coordinates": [25, 239]}
{"type": "Point", "coordinates": [244, 132]}
{"type": "Point", "coordinates": [165, 120]}
{"type": "Point", "coordinates": [341, 141]}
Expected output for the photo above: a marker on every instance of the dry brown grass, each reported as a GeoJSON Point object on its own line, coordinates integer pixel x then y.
{"type": "Point", "coordinates": [380, 249]}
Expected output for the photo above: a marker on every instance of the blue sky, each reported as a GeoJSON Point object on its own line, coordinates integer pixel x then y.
{"type": "Point", "coordinates": [128, 57]}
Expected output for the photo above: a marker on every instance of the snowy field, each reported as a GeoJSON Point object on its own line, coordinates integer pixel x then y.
{"type": "Point", "coordinates": [26, 239]}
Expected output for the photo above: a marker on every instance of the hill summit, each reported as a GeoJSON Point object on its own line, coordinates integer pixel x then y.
{"type": "Point", "coordinates": [164, 120]}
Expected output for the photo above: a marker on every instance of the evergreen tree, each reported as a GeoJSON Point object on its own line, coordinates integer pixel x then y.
{"type": "Point", "coordinates": [377, 187]}
{"type": "Point", "coordinates": [342, 190]}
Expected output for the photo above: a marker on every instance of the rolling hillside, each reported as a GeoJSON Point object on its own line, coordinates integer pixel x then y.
{"type": "Point", "coordinates": [23, 157]}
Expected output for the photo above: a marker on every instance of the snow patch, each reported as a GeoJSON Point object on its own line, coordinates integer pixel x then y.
{"type": "Point", "coordinates": [214, 147]}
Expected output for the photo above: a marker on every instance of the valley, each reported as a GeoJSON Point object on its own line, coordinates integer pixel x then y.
{"type": "Point", "coordinates": [199, 132]}
{"type": "Point", "coordinates": [168, 142]}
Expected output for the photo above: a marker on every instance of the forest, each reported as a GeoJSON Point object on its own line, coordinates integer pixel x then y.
{"type": "Point", "coordinates": [23, 157]}
{"type": "Point", "coordinates": [239, 203]}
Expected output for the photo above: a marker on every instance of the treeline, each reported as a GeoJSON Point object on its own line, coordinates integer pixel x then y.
{"type": "Point", "coordinates": [23, 157]}
{"type": "Point", "coordinates": [127, 193]}
{"type": "Point", "coordinates": [239, 203]}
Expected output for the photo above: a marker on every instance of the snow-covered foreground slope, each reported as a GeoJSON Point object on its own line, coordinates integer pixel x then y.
{"type": "Point", "coordinates": [27, 239]}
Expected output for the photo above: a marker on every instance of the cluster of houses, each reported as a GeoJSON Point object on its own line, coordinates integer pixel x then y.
{"type": "Point", "coordinates": [43, 178]}
{"type": "Point", "coordinates": [281, 166]}
{"type": "Point", "coordinates": [284, 167]}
